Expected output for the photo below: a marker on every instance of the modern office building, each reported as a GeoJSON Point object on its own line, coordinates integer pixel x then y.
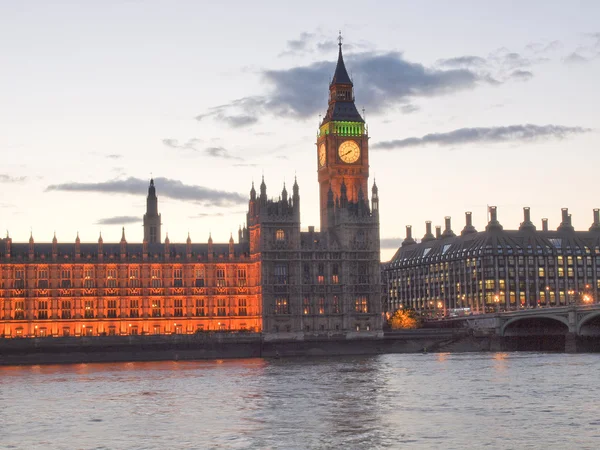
{"type": "Point", "coordinates": [495, 269]}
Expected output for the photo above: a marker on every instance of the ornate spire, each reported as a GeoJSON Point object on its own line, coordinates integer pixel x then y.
{"type": "Point", "coordinates": [189, 239]}
{"type": "Point", "coordinates": [252, 192]}
{"type": "Point", "coordinates": [341, 74]}
{"type": "Point", "coordinates": [123, 235]}
{"type": "Point", "coordinates": [341, 94]}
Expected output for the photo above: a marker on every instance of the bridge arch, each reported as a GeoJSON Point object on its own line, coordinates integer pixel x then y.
{"type": "Point", "coordinates": [546, 317]}
{"type": "Point", "coordinates": [587, 319]}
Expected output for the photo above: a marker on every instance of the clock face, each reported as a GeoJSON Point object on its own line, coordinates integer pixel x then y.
{"type": "Point", "coordinates": [349, 151]}
{"type": "Point", "coordinates": [322, 155]}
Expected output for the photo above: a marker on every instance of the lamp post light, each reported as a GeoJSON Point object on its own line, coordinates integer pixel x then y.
{"type": "Point", "coordinates": [571, 296]}
{"type": "Point", "coordinates": [497, 302]}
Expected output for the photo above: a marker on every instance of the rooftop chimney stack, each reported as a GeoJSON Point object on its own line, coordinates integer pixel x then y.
{"type": "Point", "coordinates": [438, 232]}
{"type": "Point", "coordinates": [448, 230]}
{"type": "Point", "coordinates": [409, 239]}
{"type": "Point", "coordinates": [493, 224]}
{"type": "Point", "coordinates": [596, 225]}
{"type": "Point", "coordinates": [527, 225]}
{"type": "Point", "coordinates": [469, 228]}
{"type": "Point", "coordinates": [428, 235]}
{"type": "Point", "coordinates": [544, 224]}
{"type": "Point", "coordinates": [565, 225]}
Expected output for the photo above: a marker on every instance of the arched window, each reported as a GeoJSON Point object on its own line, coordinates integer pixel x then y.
{"type": "Point", "coordinates": [280, 235]}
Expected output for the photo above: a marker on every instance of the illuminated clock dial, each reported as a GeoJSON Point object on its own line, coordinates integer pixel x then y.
{"type": "Point", "coordinates": [322, 155]}
{"type": "Point", "coordinates": [349, 151]}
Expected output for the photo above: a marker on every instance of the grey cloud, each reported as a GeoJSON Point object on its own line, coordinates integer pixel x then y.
{"type": "Point", "coordinates": [220, 152]}
{"type": "Point", "coordinates": [409, 109]}
{"type": "Point", "coordinates": [118, 220]}
{"type": "Point", "coordinates": [575, 58]}
{"type": "Point", "coordinates": [523, 75]}
{"type": "Point", "coordinates": [382, 81]}
{"type": "Point", "coordinates": [191, 144]}
{"type": "Point", "coordinates": [5, 178]}
{"type": "Point", "coordinates": [390, 242]}
{"type": "Point", "coordinates": [296, 46]}
{"type": "Point", "coordinates": [463, 61]}
{"type": "Point", "coordinates": [165, 187]}
{"type": "Point", "coordinates": [537, 47]}
{"type": "Point", "coordinates": [491, 135]}
{"type": "Point", "coordinates": [238, 121]}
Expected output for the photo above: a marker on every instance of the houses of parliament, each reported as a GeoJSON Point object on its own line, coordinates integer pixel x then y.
{"type": "Point", "coordinates": [276, 279]}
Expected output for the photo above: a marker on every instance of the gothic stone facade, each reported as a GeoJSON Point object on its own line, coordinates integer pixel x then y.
{"type": "Point", "coordinates": [276, 279]}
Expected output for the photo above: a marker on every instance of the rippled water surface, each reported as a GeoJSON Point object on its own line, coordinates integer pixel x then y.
{"type": "Point", "coordinates": [441, 401]}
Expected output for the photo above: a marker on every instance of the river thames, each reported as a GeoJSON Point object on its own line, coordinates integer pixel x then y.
{"type": "Point", "coordinates": [430, 401]}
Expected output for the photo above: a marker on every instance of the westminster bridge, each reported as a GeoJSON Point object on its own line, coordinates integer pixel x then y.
{"type": "Point", "coordinates": [567, 328]}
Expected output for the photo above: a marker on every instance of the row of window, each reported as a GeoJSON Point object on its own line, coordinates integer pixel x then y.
{"type": "Point", "coordinates": [132, 308]}
{"type": "Point", "coordinates": [322, 306]}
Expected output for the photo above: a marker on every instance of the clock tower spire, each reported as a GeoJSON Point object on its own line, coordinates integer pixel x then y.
{"type": "Point", "coordinates": [342, 143]}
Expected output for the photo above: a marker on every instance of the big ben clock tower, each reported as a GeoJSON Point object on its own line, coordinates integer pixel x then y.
{"type": "Point", "coordinates": [342, 144]}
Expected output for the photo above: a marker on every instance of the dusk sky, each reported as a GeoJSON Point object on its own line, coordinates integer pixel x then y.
{"type": "Point", "coordinates": [468, 103]}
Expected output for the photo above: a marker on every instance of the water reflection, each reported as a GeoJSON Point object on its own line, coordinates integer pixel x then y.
{"type": "Point", "coordinates": [388, 401]}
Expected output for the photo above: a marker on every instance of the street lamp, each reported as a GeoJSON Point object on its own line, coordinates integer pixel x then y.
{"type": "Point", "coordinates": [497, 302]}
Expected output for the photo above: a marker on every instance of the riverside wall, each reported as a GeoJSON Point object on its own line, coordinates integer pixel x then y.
{"type": "Point", "coordinates": [66, 350]}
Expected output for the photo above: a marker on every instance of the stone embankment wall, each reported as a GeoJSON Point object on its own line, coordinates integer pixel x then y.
{"type": "Point", "coordinates": [225, 345]}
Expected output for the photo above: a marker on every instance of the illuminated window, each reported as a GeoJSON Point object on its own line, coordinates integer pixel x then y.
{"type": "Point", "coordinates": [43, 309]}
{"type": "Point", "coordinates": [156, 329]}
{"type": "Point", "coordinates": [65, 312]}
{"type": "Point", "coordinates": [178, 304]}
{"type": "Point", "coordinates": [361, 305]}
{"type": "Point", "coordinates": [65, 281]}
{"type": "Point", "coordinates": [19, 310]}
{"type": "Point", "coordinates": [281, 305]}
{"type": "Point", "coordinates": [242, 307]}
{"type": "Point", "coordinates": [178, 277]}
{"type": "Point", "coordinates": [335, 277]}
{"type": "Point", "coordinates": [156, 277]}
{"type": "Point", "coordinates": [156, 312]}
{"type": "Point", "coordinates": [200, 312]}
{"type": "Point", "coordinates": [88, 309]}
{"type": "Point", "coordinates": [134, 277]}
{"type": "Point", "coordinates": [321, 273]}
{"type": "Point", "coordinates": [88, 277]}
{"type": "Point", "coordinates": [133, 331]}
{"type": "Point", "coordinates": [134, 307]}
{"type": "Point", "coordinates": [280, 235]}
{"type": "Point", "coordinates": [241, 276]}
{"type": "Point", "coordinates": [306, 305]}
{"type": "Point", "coordinates": [111, 310]}
{"type": "Point", "coordinates": [111, 278]}
{"type": "Point", "coordinates": [541, 272]}
{"type": "Point", "coordinates": [321, 305]}
{"type": "Point", "coordinates": [221, 282]}
{"type": "Point", "coordinates": [221, 307]}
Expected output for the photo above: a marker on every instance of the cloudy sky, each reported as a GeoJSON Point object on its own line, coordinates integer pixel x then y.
{"type": "Point", "coordinates": [469, 103]}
